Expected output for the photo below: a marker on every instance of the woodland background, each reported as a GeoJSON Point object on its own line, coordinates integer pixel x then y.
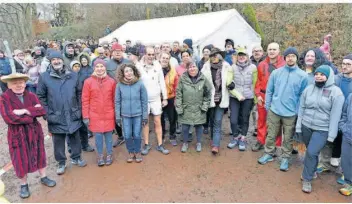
{"type": "Point", "coordinates": [300, 25]}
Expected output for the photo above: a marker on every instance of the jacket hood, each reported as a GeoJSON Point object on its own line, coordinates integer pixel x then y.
{"type": "Point", "coordinates": [67, 43]}
{"type": "Point", "coordinates": [331, 79]}
{"type": "Point", "coordinates": [73, 63]}
{"type": "Point", "coordinates": [86, 55]}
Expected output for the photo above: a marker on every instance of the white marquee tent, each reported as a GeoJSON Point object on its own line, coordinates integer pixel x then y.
{"type": "Point", "coordinates": [203, 29]}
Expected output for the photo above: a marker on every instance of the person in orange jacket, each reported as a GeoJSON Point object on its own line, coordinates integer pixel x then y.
{"type": "Point", "coordinates": [98, 109]}
{"type": "Point", "coordinates": [272, 61]}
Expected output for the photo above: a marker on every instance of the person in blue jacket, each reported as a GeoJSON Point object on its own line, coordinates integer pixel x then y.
{"type": "Point", "coordinates": [5, 69]}
{"type": "Point", "coordinates": [284, 89]}
{"type": "Point", "coordinates": [229, 48]}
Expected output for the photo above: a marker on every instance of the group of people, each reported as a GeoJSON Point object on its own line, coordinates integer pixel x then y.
{"type": "Point", "coordinates": [291, 97]}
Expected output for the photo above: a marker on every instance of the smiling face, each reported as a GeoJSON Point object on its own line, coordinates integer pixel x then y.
{"type": "Point", "coordinates": [273, 50]}
{"type": "Point", "coordinates": [291, 60]}
{"type": "Point", "coordinates": [100, 70]}
{"type": "Point", "coordinates": [84, 61]}
{"type": "Point", "coordinates": [347, 66]}
{"type": "Point", "coordinates": [193, 70]}
{"type": "Point", "coordinates": [76, 67]}
{"type": "Point", "coordinates": [164, 60]}
{"type": "Point", "coordinates": [319, 77]}
{"type": "Point", "coordinates": [128, 73]}
{"type": "Point", "coordinates": [309, 59]}
{"type": "Point", "coordinates": [185, 58]}
{"type": "Point", "coordinates": [242, 58]}
{"type": "Point", "coordinates": [150, 55]}
{"type": "Point", "coordinates": [57, 63]}
{"type": "Point", "coordinates": [17, 85]}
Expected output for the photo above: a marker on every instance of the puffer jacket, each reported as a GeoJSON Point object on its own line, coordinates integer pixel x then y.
{"type": "Point", "coordinates": [193, 99]}
{"type": "Point", "coordinates": [345, 123]}
{"type": "Point", "coordinates": [320, 108]}
{"type": "Point", "coordinates": [98, 103]}
{"type": "Point", "coordinates": [245, 80]}
{"type": "Point", "coordinates": [171, 81]}
{"type": "Point", "coordinates": [131, 99]}
{"type": "Point", "coordinates": [61, 98]}
{"type": "Point", "coordinates": [86, 71]}
{"type": "Point", "coordinates": [5, 68]}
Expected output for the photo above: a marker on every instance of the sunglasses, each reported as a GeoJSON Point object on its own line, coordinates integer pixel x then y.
{"type": "Point", "coordinates": [151, 54]}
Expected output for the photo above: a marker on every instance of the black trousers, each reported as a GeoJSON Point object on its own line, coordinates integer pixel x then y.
{"type": "Point", "coordinates": [59, 141]}
{"type": "Point", "coordinates": [336, 150]}
{"type": "Point", "coordinates": [170, 111]}
{"type": "Point", "coordinates": [119, 132]}
{"type": "Point", "coordinates": [240, 113]}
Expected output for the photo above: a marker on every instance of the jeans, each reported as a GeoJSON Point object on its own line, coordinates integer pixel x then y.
{"type": "Point", "coordinates": [99, 140]}
{"type": "Point", "coordinates": [315, 141]}
{"type": "Point", "coordinates": [185, 132]}
{"type": "Point", "coordinates": [59, 146]}
{"type": "Point", "coordinates": [132, 130]}
{"type": "Point", "coordinates": [346, 160]}
{"type": "Point", "coordinates": [240, 114]}
{"type": "Point", "coordinates": [216, 114]}
{"type": "Point", "coordinates": [172, 116]}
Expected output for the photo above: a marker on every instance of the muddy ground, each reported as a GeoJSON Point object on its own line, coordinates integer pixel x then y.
{"type": "Point", "coordinates": [232, 176]}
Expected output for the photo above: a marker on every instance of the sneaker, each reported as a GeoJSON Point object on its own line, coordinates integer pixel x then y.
{"type": "Point", "coordinates": [90, 135]}
{"type": "Point", "coordinates": [88, 149]}
{"type": "Point", "coordinates": [294, 151]}
{"type": "Point", "coordinates": [321, 169]}
{"type": "Point", "coordinates": [242, 144]}
{"type": "Point", "coordinates": [205, 131]}
{"type": "Point", "coordinates": [284, 164]}
{"type": "Point", "coordinates": [257, 147]}
{"type": "Point", "coordinates": [100, 160]}
{"type": "Point", "coordinates": [215, 150]}
{"type": "Point", "coordinates": [61, 169]}
{"type": "Point", "coordinates": [119, 142]}
{"type": "Point", "coordinates": [146, 149]}
{"type": "Point", "coordinates": [161, 149]}
{"type": "Point", "coordinates": [341, 180]}
{"type": "Point", "coordinates": [335, 162]}
{"type": "Point", "coordinates": [139, 158]}
{"type": "Point", "coordinates": [346, 190]}
{"type": "Point", "coordinates": [173, 142]}
{"type": "Point", "coordinates": [130, 158]}
{"type": "Point", "coordinates": [265, 159]}
{"type": "Point", "coordinates": [47, 182]}
{"type": "Point", "coordinates": [24, 193]}
{"type": "Point", "coordinates": [184, 147]}
{"type": "Point", "coordinates": [232, 144]}
{"type": "Point", "coordinates": [79, 162]}
{"type": "Point", "coordinates": [109, 160]}
{"type": "Point", "coordinates": [198, 147]}
{"type": "Point", "coordinates": [307, 186]}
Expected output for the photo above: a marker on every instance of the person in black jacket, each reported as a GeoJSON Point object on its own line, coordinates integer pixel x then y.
{"type": "Point", "coordinates": [60, 94]}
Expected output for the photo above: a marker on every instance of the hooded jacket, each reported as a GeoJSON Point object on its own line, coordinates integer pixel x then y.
{"type": "Point", "coordinates": [284, 90]}
{"type": "Point", "coordinates": [345, 84]}
{"type": "Point", "coordinates": [68, 58]}
{"type": "Point", "coordinates": [45, 62]}
{"type": "Point", "coordinates": [131, 99]}
{"type": "Point", "coordinates": [86, 71]}
{"type": "Point", "coordinates": [73, 63]}
{"type": "Point", "coordinates": [320, 108]}
{"type": "Point", "coordinates": [345, 123]}
{"type": "Point", "coordinates": [228, 56]}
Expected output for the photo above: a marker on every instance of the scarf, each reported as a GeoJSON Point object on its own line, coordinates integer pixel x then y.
{"type": "Point", "coordinates": [129, 81]}
{"type": "Point", "coordinates": [218, 80]}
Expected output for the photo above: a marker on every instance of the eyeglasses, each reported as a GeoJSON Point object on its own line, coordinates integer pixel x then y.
{"type": "Point", "coordinates": [151, 54]}
{"type": "Point", "coordinates": [346, 64]}
{"type": "Point", "coordinates": [257, 50]}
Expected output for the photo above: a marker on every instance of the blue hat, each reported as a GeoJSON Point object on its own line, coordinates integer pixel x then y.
{"type": "Point", "coordinates": [348, 57]}
{"type": "Point", "coordinates": [324, 69]}
{"type": "Point", "coordinates": [290, 50]}
{"type": "Point", "coordinates": [55, 54]}
{"type": "Point", "coordinates": [188, 42]}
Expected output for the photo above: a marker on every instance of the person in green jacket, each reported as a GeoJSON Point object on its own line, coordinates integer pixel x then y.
{"type": "Point", "coordinates": [193, 97]}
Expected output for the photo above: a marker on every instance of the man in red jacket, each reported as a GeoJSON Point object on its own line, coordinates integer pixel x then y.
{"type": "Point", "coordinates": [272, 61]}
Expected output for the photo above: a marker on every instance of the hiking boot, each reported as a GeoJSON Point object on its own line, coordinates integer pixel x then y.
{"type": "Point", "coordinates": [341, 180]}
{"type": "Point", "coordinates": [130, 158]}
{"type": "Point", "coordinates": [257, 147]}
{"type": "Point", "coordinates": [321, 169]}
{"type": "Point", "coordinates": [284, 164]}
{"type": "Point", "coordinates": [346, 190]}
{"type": "Point", "coordinates": [109, 160]}
{"type": "Point", "coordinates": [232, 144]}
{"type": "Point", "coordinates": [79, 162]}
{"type": "Point", "coordinates": [205, 131]}
{"type": "Point", "coordinates": [335, 162]}
{"type": "Point", "coordinates": [24, 193]}
{"type": "Point", "coordinates": [47, 182]}
{"type": "Point", "coordinates": [184, 147]}
{"type": "Point", "coordinates": [265, 159]}
{"type": "Point", "coordinates": [139, 158]}
{"type": "Point", "coordinates": [146, 149]}
{"type": "Point", "coordinates": [161, 149]}
{"type": "Point", "coordinates": [242, 144]}
{"type": "Point", "coordinates": [61, 169]}
{"type": "Point", "coordinates": [100, 160]}
{"type": "Point", "coordinates": [119, 142]}
{"type": "Point", "coordinates": [215, 150]}
{"type": "Point", "coordinates": [173, 142]}
{"type": "Point", "coordinates": [307, 186]}
{"type": "Point", "coordinates": [198, 147]}
{"type": "Point", "coordinates": [88, 149]}
{"type": "Point", "coordinates": [294, 151]}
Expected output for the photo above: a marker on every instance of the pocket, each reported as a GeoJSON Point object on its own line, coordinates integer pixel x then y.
{"type": "Point", "coordinates": [54, 118]}
{"type": "Point", "coordinates": [76, 114]}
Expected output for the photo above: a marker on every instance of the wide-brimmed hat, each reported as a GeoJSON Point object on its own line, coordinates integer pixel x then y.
{"type": "Point", "coordinates": [215, 51]}
{"type": "Point", "coordinates": [13, 76]}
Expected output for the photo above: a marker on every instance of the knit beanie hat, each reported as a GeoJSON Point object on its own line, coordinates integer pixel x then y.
{"type": "Point", "coordinates": [291, 50]}
{"type": "Point", "coordinates": [324, 69]}
{"type": "Point", "coordinates": [189, 43]}
{"type": "Point", "coordinates": [55, 54]}
{"type": "Point", "coordinates": [348, 57]}
{"type": "Point", "coordinates": [99, 61]}
{"type": "Point", "coordinates": [116, 46]}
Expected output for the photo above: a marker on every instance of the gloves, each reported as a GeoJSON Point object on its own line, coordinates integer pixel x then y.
{"type": "Point", "coordinates": [86, 122]}
{"type": "Point", "coordinates": [144, 122]}
{"type": "Point", "coordinates": [231, 86]}
{"type": "Point", "coordinates": [118, 122]}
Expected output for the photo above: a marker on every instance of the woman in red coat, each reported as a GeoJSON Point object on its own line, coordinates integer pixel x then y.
{"type": "Point", "coordinates": [98, 109]}
{"type": "Point", "coordinates": [20, 109]}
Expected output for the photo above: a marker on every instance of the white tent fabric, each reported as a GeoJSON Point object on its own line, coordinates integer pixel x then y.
{"type": "Point", "coordinates": [203, 29]}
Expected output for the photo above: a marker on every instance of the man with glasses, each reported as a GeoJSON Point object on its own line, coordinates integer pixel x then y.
{"type": "Point", "coordinates": [175, 52]}
{"type": "Point", "coordinates": [257, 55]}
{"type": "Point", "coordinates": [154, 82]}
{"type": "Point", "coordinates": [165, 47]}
{"type": "Point", "coordinates": [101, 55]}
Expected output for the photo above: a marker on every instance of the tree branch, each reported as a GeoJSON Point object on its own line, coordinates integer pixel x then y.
{"type": "Point", "coordinates": [8, 23]}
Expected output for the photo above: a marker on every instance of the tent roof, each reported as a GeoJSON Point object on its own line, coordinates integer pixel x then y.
{"type": "Point", "coordinates": [155, 31]}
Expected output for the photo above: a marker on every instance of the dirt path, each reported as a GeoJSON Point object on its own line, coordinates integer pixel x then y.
{"type": "Point", "coordinates": [191, 177]}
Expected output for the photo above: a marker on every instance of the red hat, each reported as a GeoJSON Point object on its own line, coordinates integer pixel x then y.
{"type": "Point", "coordinates": [116, 46]}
